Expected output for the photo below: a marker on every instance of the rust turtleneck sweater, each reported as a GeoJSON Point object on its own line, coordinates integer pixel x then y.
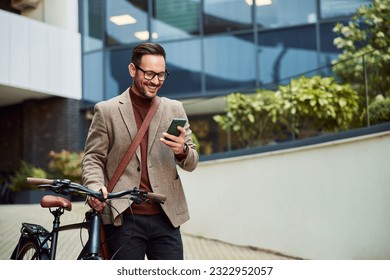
{"type": "Point", "coordinates": [141, 107]}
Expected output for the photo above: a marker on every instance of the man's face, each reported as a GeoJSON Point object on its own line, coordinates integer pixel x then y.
{"type": "Point", "coordinates": [142, 86]}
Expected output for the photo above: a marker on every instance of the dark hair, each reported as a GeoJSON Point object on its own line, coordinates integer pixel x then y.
{"type": "Point", "coordinates": [146, 48]}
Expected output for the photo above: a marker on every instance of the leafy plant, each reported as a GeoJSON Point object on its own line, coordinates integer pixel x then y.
{"type": "Point", "coordinates": [251, 117]}
{"type": "Point", "coordinates": [196, 141]}
{"type": "Point", "coordinates": [18, 180]}
{"type": "Point", "coordinates": [319, 104]}
{"type": "Point", "coordinates": [379, 110]}
{"type": "Point", "coordinates": [365, 42]}
{"type": "Point", "coordinates": [66, 164]}
{"type": "Point", "coordinates": [314, 104]}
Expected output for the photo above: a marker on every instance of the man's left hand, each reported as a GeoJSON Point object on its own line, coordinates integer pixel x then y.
{"type": "Point", "coordinates": [176, 143]}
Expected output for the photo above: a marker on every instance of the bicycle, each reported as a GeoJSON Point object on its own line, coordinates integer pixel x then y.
{"type": "Point", "coordinates": [37, 243]}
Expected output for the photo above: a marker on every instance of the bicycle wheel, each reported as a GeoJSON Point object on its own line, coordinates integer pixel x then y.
{"type": "Point", "coordinates": [29, 249]}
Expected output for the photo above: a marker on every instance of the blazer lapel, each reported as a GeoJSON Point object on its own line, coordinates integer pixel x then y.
{"type": "Point", "coordinates": [127, 113]}
{"type": "Point", "coordinates": [154, 124]}
{"type": "Point", "coordinates": [126, 110]}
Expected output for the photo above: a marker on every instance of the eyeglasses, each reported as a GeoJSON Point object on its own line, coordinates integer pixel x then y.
{"type": "Point", "coordinates": [149, 75]}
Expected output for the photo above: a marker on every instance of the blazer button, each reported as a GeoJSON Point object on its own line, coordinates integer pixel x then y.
{"type": "Point", "coordinates": [138, 169]}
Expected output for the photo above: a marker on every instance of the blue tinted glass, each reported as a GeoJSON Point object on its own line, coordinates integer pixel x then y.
{"type": "Point", "coordinates": [93, 76]}
{"type": "Point", "coordinates": [117, 74]}
{"type": "Point", "coordinates": [226, 15]}
{"type": "Point", "coordinates": [329, 52]}
{"type": "Point", "coordinates": [126, 22]}
{"type": "Point", "coordinates": [91, 25]}
{"type": "Point", "coordinates": [175, 19]}
{"type": "Point", "coordinates": [286, 53]}
{"type": "Point", "coordinates": [277, 13]}
{"type": "Point", "coordinates": [333, 8]}
{"type": "Point", "coordinates": [184, 65]}
{"type": "Point", "coordinates": [229, 62]}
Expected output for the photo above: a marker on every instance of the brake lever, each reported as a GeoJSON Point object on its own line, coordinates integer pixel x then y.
{"type": "Point", "coordinates": [53, 188]}
{"type": "Point", "coordinates": [59, 186]}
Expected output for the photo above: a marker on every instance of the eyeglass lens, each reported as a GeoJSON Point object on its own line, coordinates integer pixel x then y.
{"type": "Point", "coordinates": [149, 75]}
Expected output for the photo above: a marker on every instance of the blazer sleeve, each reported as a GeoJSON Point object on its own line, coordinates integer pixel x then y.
{"type": "Point", "coordinates": [95, 152]}
{"type": "Point", "coordinates": [190, 162]}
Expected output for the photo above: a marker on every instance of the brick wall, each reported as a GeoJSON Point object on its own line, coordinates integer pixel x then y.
{"type": "Point", "coordinates": [10, 137]}
{"type": "Point", "coordinates": [31, 130]}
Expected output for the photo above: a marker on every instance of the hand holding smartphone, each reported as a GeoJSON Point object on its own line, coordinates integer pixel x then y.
{"type": "Point", "coordinates": [173, 126]}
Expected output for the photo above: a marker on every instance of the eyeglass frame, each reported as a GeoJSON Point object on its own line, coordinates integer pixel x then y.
{"type": "Point", "coordinates": [166, 74]}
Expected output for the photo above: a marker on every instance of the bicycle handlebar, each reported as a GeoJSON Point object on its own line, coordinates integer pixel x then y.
{"type": "Point", "coordinates": [39, 181]}
{"type": "Point", "coordinates": [64, 186]}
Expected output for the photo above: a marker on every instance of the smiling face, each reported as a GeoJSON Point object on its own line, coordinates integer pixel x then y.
{"type": "Point", "coordinates": [141, 86]}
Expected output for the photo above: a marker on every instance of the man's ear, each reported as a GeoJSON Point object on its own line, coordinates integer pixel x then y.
{"type": "Point", "coordinates": [132, 70]}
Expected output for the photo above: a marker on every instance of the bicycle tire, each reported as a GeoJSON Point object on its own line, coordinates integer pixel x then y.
{"type": "Point", "coordinates": [29, 249]}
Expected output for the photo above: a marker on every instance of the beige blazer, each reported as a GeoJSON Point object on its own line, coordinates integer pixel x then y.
{"type": "Point", "coordinates": [112, 129]}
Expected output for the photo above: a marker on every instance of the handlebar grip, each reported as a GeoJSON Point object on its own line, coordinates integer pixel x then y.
{"type": "Point", "coordinates": [39, 181]}
{"type": "Point", "coordinates": [157, 196]}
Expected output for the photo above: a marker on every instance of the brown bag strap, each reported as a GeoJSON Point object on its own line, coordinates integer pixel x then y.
{"type": "Point", "coordinates": [130, 151]}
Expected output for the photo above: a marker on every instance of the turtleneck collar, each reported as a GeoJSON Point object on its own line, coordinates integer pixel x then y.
{"type": "Point", "coordinates": [139, 100]}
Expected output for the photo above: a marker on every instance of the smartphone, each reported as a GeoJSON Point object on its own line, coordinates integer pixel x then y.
{"type": "Point", "coordinates": [174, 124]}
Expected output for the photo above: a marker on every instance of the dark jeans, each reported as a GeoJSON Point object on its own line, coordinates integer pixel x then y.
{"type": "Point", "coordinates": [145, 235]}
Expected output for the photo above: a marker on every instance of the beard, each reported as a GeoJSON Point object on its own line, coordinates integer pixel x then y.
{"type": "Point", "coordinates": [146, 90]}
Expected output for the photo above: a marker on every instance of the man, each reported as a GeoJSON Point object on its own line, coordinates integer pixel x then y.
{"type": "Point", "coordinates": [148, 229]}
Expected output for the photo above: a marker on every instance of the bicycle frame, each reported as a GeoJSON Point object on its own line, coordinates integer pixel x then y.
{"type": "Point", "coordinates": [47, 241]}
{"type": "Point", "coordinates": [43, 244]}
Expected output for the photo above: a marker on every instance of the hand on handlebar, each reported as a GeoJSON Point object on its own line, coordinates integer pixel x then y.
{"type": "Point", "coordinates": [96, 203]}
{"type": "Point", "coordinates": [96, 199]}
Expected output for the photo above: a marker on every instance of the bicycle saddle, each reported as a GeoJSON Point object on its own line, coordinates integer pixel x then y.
{"type": "Point", "coordinates": [48, 201]}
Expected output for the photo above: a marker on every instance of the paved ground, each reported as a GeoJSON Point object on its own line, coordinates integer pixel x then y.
{"type": "Point", "coordinates": [70, 243]}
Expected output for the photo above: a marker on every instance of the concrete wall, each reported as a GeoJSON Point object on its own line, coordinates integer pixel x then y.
{"type": "Point", "coordinates": [325, 201]}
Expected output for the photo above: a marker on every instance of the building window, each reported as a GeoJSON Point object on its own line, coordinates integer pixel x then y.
{"type": "Point", "coordinates": [279, 13]}
{"type": "Point", "coordinates": [226, 15]}
{"type": "Point", "coordinates": [91, 25]}
{"type": "Point", "coordinates": [93, 76]}
{"type": "Point", "coordinates": [126, 22]}
{"type": "Point", "coordinates": [117, 74]}
{"type": "Point", "coordinates": [285, 53]}
{"type": "Point", "coordinates": [184, 65]}
{"type": "Point", "coordinates": [336, 8]}
{"type": "Point", "coordinates": [175, 19]}
{"type": "Point", "coordinates": [229, 62]}
{"type": "Point", "coordinates": [328, 51]}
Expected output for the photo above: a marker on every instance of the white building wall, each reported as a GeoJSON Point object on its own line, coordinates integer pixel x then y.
{"type": "Point", "coordinates": [326, 201]}
{"type": "Point", "coordinates": [39, 57]}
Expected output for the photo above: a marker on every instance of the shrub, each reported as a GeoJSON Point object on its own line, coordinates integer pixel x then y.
{"type": "Point", "coordinates": [18, 180]}
{"type": "Point", "coordinates": [251, 118]}
{"type": "Point", "coordinates": [379, 110]}
{"type": "Point", "coordinates": [66, 164]}
{"type": "Point", "coordinates": [321, 104]}
{"type": "Point", "coordinates": [305, 107]}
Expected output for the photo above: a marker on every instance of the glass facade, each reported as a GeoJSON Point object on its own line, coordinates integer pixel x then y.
{"type": "Point", "coordinates": [214, 47]}
{"type": "Point", "coordinates": [281, 13]}
{"type": "Point", "coordinates": [185, 68]}
{"type": "Point", "coordinates": [229, 62]}
{"type": "Point", "coordinates": [278, 52]}
{"type": "Point", "coordinates": [336, 8]}
{"type": "Point", "coordinates": [175, 19]}
{"type": "Point", "coordinates": [226, 16]}
{"type": "Point", "coordinates": [126, 22]}
{"type": "Point", "coordinates": [91, 25]}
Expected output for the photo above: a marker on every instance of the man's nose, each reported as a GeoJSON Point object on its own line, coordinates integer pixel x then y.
{"type": "Point", "coordinates": [155, 79]}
